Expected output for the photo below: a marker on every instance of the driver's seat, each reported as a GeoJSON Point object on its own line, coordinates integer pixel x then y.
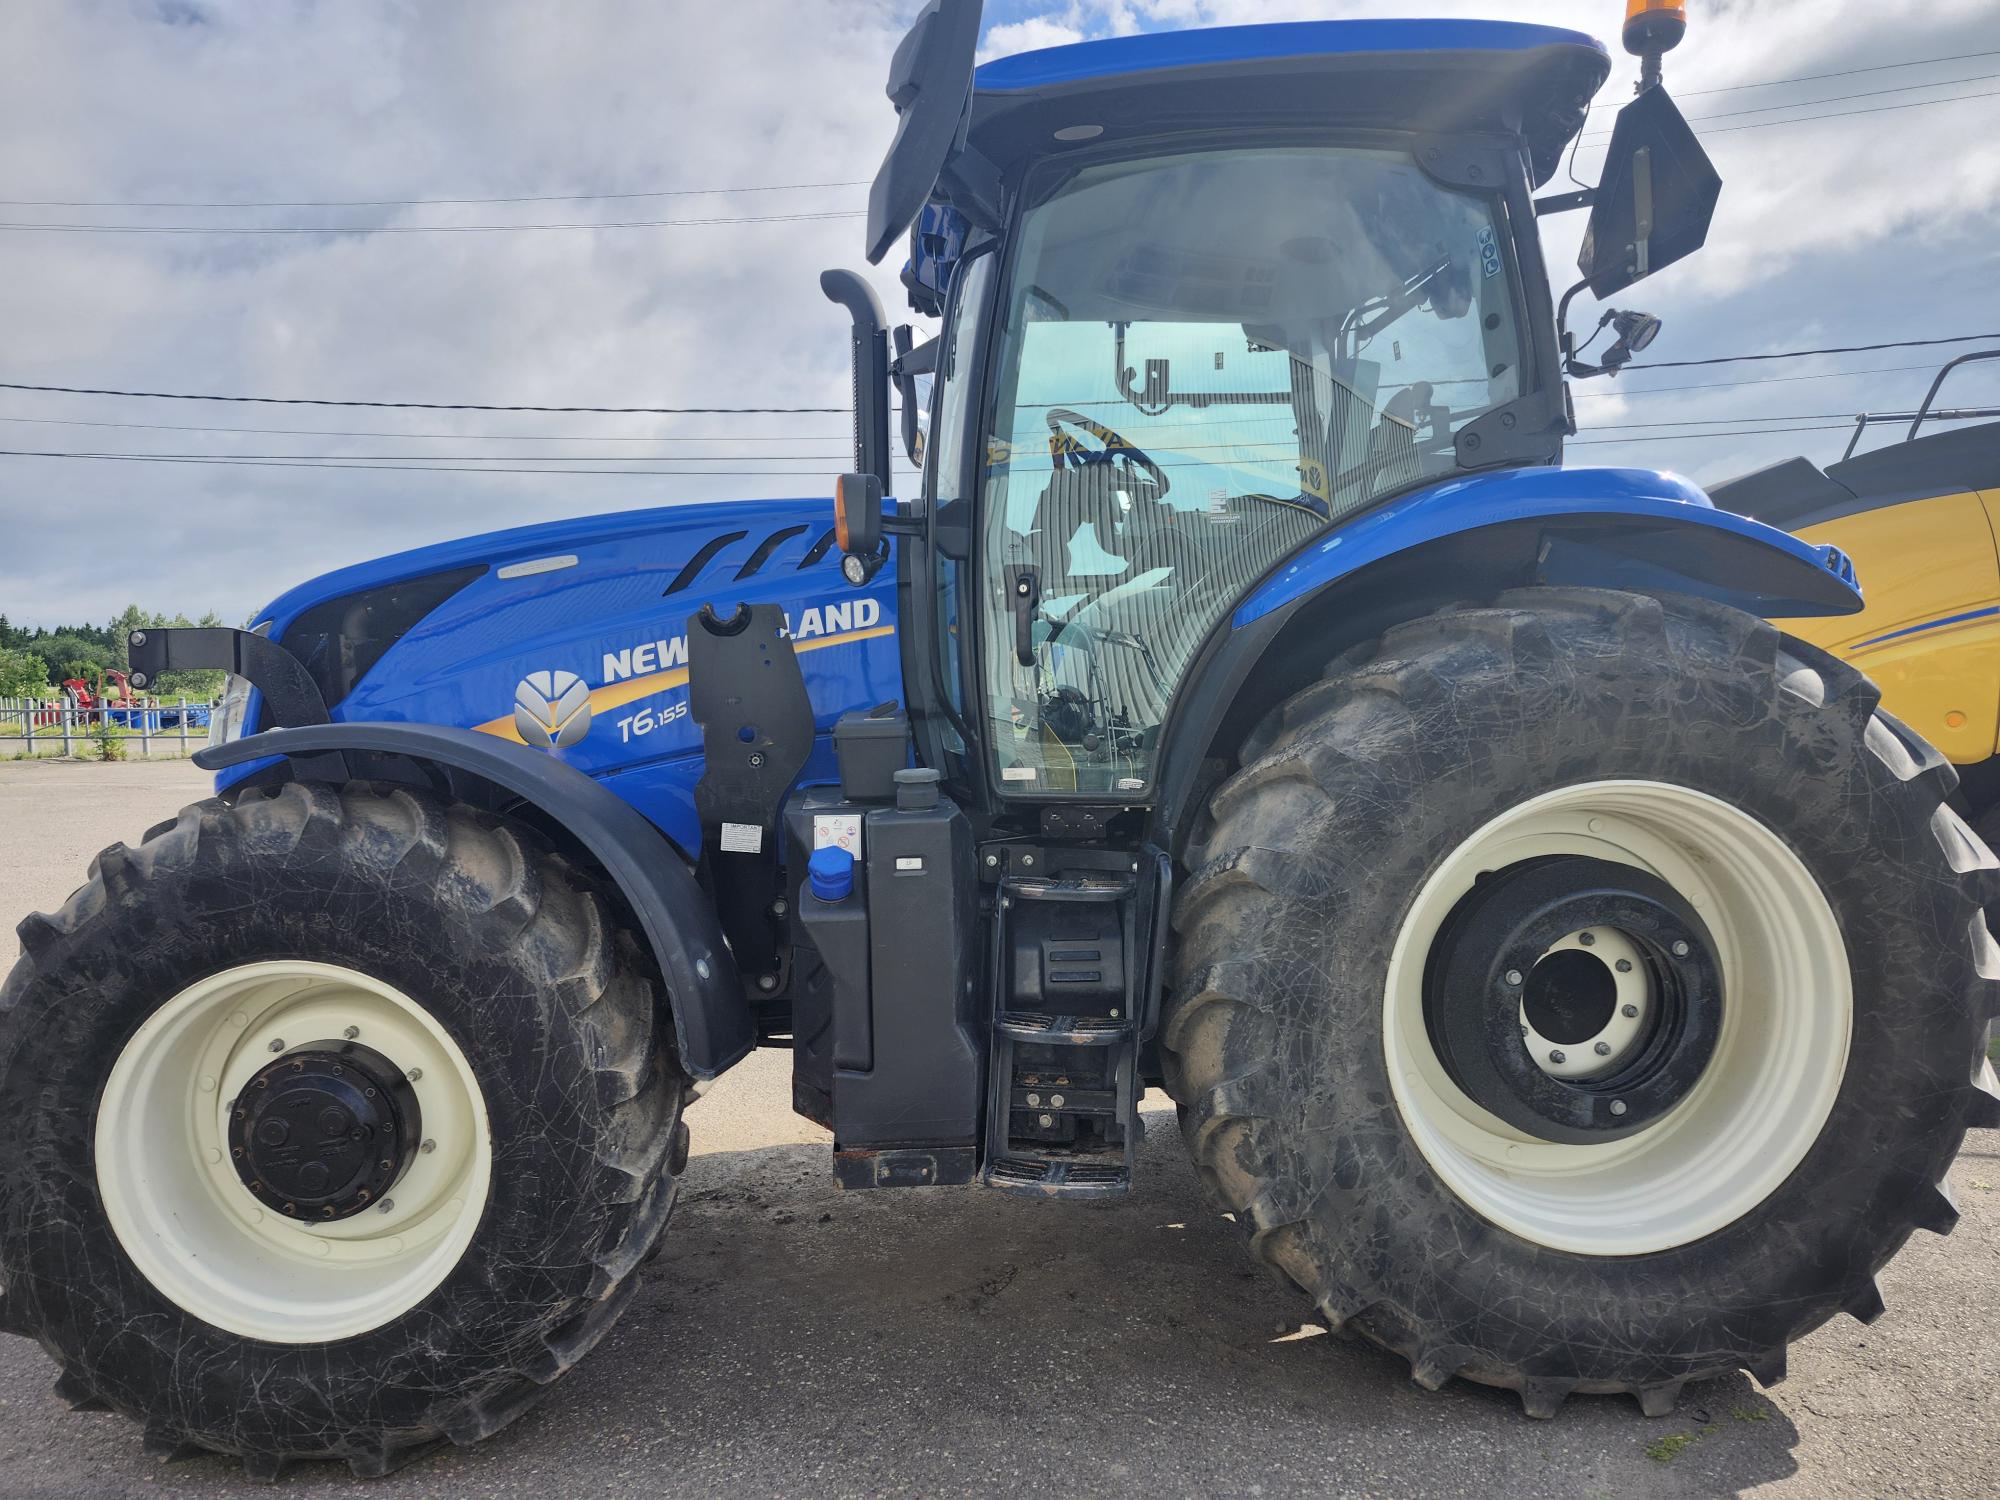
{"type": "Point", "coordinates": [1082, 491]}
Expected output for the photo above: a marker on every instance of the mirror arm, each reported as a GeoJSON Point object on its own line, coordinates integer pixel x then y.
{"type": "Point", "coordinates": [1575, 368]}
{"type": "Point", "coordinates": [1562, 203]}
{"type": "Point", "coordinates": [907, 366]}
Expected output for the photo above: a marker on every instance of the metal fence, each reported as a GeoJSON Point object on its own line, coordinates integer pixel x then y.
{"type": "Point", "coordinates": [36, 726]}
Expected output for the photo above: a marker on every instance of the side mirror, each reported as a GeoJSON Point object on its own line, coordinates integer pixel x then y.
{"type": "Point", "coordinates": [1654, 200]}
{"type": "Point", "coordinates": [857, 525]}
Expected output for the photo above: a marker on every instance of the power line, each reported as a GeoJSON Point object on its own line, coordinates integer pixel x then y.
{"type": "Point", "coordinates": [1812, 416]}
{"type": "Point", "coordinates": [1841, 114]}
{"type": "Point", "coordinates": [408, 468]}
{"type": "Point", "coordinates": [649, 411]}
{"type": "Point", "coordinates": [1772, 83]}
{"type": "Point", "coordinates": [762, 187]}
{"type": "Point", "coordinates": [813, 187]}
{"type": "Point", "coordinates": [1729, 385]}
{"type": "Point", "coordinates": [464, 437]}
{"type": "Point", "coordinates": [1731, 359]}
{"type": "Point", "coordinates": [799, 187]}
{"type": "Point", "coordinates": [1675, 437]}
{"type": "Point", "coordinates": [78, 390]}
{"type": "Point", "coordinates": [470, 458]}
{"type": "Point", "coordinates": [1905, 88]}
{"type": "Point", "coordinates": [227, 229]}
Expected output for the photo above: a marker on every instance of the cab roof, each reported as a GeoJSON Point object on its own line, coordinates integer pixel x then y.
{"type": "Point", "coordinates": [1535, 81]}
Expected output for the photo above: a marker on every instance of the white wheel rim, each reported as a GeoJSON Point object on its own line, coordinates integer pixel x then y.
{"type": "Point", "coordinates": [193, 1229]}
{"type": "Point", "coordinates": [1767, 1091]}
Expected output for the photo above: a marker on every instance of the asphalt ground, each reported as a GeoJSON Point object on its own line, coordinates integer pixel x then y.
{"type": "Point", "coordinates": [795, 1340]}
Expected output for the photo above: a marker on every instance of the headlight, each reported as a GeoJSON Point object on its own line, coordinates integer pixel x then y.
{"type": "Point", "coordinates": [229, 719]}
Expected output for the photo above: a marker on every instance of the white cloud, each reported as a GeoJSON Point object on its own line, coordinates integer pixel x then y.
{"type": "Point", "coordinates": [1029, 35]}
{"type": "Point", "coordinates": [1878, 227]}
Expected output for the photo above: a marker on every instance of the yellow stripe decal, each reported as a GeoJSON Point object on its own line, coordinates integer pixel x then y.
{"type": "Point", "coordinates": [618, 694]}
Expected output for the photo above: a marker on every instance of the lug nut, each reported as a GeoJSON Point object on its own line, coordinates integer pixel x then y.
{"type": "Point", "coordinates": [1680, 948]}
{"type": "Point", "coordinates": [1588, 939]}
{"type": "Point", "coordinates": [352, 1032]}
{"type": "Point", "coordinates": [1558, 1057]}
{"type": "Point", "coordinates": [428, 1147]}
{"type": "Point", "coordinates": [1628, 1011]}
{"type": "Point", "coordinates": [1512, 976]}
{"type": "Point", "coordinates": [1624, 966]}
{"type": "Point", "coordinates": [387, 1204]}
{"type": "Point", "coordinates": [416, 1075]}
{"type": "Point", "coordinates": [1618, 1106]}
{"type": "Point", "coordinates": [277, 1044]}
{"type": "Point", "coordinates": [1603, 1049]}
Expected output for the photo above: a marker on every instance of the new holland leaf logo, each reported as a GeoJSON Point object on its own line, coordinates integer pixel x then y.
{"type": "Point", "coordinates": [552, 709]}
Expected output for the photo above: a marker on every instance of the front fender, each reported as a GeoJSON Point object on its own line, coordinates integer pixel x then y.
{"type": "Point", "coordinates": [711, 1019]}
{"type": "Point", "coordinates": [1469, 539]}
{"type": "Point", "coordinates": [1613, 528]}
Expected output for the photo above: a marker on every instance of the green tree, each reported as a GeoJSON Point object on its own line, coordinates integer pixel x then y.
{"type": "Point", "coordinates": [71, 653]}
{"type": "Point", "coordinates": [22, 673]}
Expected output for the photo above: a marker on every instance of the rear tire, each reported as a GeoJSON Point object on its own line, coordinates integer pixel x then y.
{"type": "Point", "coordinates": [489, 974]}
{"type": "Point", "coordinates": [1313, 1104]}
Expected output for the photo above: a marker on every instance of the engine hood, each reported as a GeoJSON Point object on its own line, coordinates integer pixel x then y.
{"type": "Point", "coordinates": [571, 636]}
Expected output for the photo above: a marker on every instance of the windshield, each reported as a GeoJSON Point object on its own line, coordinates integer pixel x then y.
{"type": "Point", "coordinates": [1205, 359]}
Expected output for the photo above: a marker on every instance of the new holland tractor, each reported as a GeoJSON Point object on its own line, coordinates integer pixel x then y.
{"type": "Point", "coordinates": [1566, 979]}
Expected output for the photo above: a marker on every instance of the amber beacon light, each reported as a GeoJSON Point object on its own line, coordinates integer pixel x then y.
{"type": "Point", "coordinates": [1653, 27]}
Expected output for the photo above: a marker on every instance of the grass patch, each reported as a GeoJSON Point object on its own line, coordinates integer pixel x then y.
{"type": "Point", "coordinates": [1751, 1414]}
{"type": "Point", "coordinates": [1993, 1049]}
{"type": "Point", "coordinates": [1674, 1444]}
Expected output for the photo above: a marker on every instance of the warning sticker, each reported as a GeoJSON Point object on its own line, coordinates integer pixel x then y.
{"type": "Point", "coordinates": [742, 838]}
{"type": "Point", "coordinates": [838, 831]}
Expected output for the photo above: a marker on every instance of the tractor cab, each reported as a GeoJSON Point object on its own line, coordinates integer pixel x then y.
{"type": "Point", "coordinates": [1205, 296]}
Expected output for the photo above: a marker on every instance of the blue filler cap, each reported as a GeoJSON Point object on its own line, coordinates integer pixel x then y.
{"type": "Point", "coordinates": [831, 871]}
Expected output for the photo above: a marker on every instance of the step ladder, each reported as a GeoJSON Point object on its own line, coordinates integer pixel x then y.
{"type": "Point", "coordinates": [1069, 985]}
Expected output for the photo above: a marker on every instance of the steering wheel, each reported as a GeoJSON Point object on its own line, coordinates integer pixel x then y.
{"type": "Point", "coordinates": [1066, 452]}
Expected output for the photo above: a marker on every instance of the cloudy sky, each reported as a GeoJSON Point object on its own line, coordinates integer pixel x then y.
{"type": "Point", "coordinates": [1851, 230]}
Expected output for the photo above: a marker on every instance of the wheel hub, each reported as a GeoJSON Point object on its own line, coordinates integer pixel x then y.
{"type": "Point", "coordinates": [1576, 999]}
{"type": "Point", "coordinates": [322, 1132]}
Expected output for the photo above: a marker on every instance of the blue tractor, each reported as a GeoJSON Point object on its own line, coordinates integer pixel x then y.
{"type": "Point", "coordinates": [1565, 979]}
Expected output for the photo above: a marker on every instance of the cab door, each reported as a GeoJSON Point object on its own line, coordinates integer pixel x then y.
{"type": "Point", "coordinates": [1930, 634]}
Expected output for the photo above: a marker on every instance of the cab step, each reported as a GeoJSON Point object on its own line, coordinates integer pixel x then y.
{"type": "Point", "coordinates": [1070, 988]}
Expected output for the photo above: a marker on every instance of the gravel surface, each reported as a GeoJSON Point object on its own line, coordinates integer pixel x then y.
{"type": "Point", "coordinates": [796, 1340]}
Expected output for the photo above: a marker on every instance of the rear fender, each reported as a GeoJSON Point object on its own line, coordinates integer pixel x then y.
{"type": "Point", "coordinates": [711, 1019]}
{"type": "Point", "coordinates": [1469, 540]}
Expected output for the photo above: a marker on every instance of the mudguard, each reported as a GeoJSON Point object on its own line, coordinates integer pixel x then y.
{"type": "Point", "coordinates": [1614, 528]}
{"type": "Point", "coordinates": [1471, 538]}
{"type": "Point", "coordinates": [711, 1019]}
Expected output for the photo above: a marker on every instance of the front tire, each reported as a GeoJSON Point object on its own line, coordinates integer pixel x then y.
{"type": "Point", "coordinates": [1813, 976]}
{"type": "Point", "coordinates": [332, 1126]}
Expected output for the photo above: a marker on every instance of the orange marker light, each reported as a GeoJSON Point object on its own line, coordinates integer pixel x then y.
{"type": "Point", "coordinates": [840, 512]}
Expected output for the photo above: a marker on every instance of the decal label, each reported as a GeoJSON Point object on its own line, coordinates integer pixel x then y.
{"type": "Point", "coordinates": [838, 831]}
{"type": "Point", "coordinates": [742, 838]}
{"type": "Point", "coordinates": [836, 617]}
